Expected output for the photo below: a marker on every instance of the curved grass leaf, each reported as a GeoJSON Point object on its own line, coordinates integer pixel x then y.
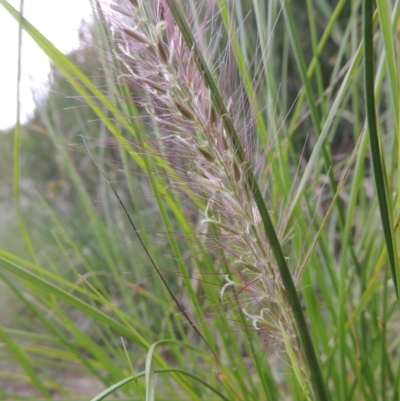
{"type": "Point", "coordinates": [376, 148]}
{"type": "Point", "coordinates": [118, 385]}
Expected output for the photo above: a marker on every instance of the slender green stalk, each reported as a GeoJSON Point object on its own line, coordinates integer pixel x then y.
{"type": "Point", "coordinates": [17, 146]}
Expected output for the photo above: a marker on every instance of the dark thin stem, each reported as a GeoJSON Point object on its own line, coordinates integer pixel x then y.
{"type": "Point", "coordinates": [152, 261]}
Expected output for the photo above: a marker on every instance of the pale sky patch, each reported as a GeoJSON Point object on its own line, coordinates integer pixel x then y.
{"type": "Point", "coordinates": [59, 22]}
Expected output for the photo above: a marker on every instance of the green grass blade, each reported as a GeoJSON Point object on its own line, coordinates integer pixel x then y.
{"type": "Point", "coordinates": [24, 361]}
{"type": "Point", "coordinates": [376, 149]}
{"type": "Point", "coordinates": [72, 300]}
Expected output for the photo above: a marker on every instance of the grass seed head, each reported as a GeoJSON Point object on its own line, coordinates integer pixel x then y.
{"type": "Point", "coordinates": [180, 104]}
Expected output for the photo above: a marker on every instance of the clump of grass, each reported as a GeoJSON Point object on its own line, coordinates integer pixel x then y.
{"type": "Point", "coordinates": [211, 104]}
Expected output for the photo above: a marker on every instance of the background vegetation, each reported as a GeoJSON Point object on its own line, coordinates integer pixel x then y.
{"type": "Point", "coordinates": [84, 312]}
